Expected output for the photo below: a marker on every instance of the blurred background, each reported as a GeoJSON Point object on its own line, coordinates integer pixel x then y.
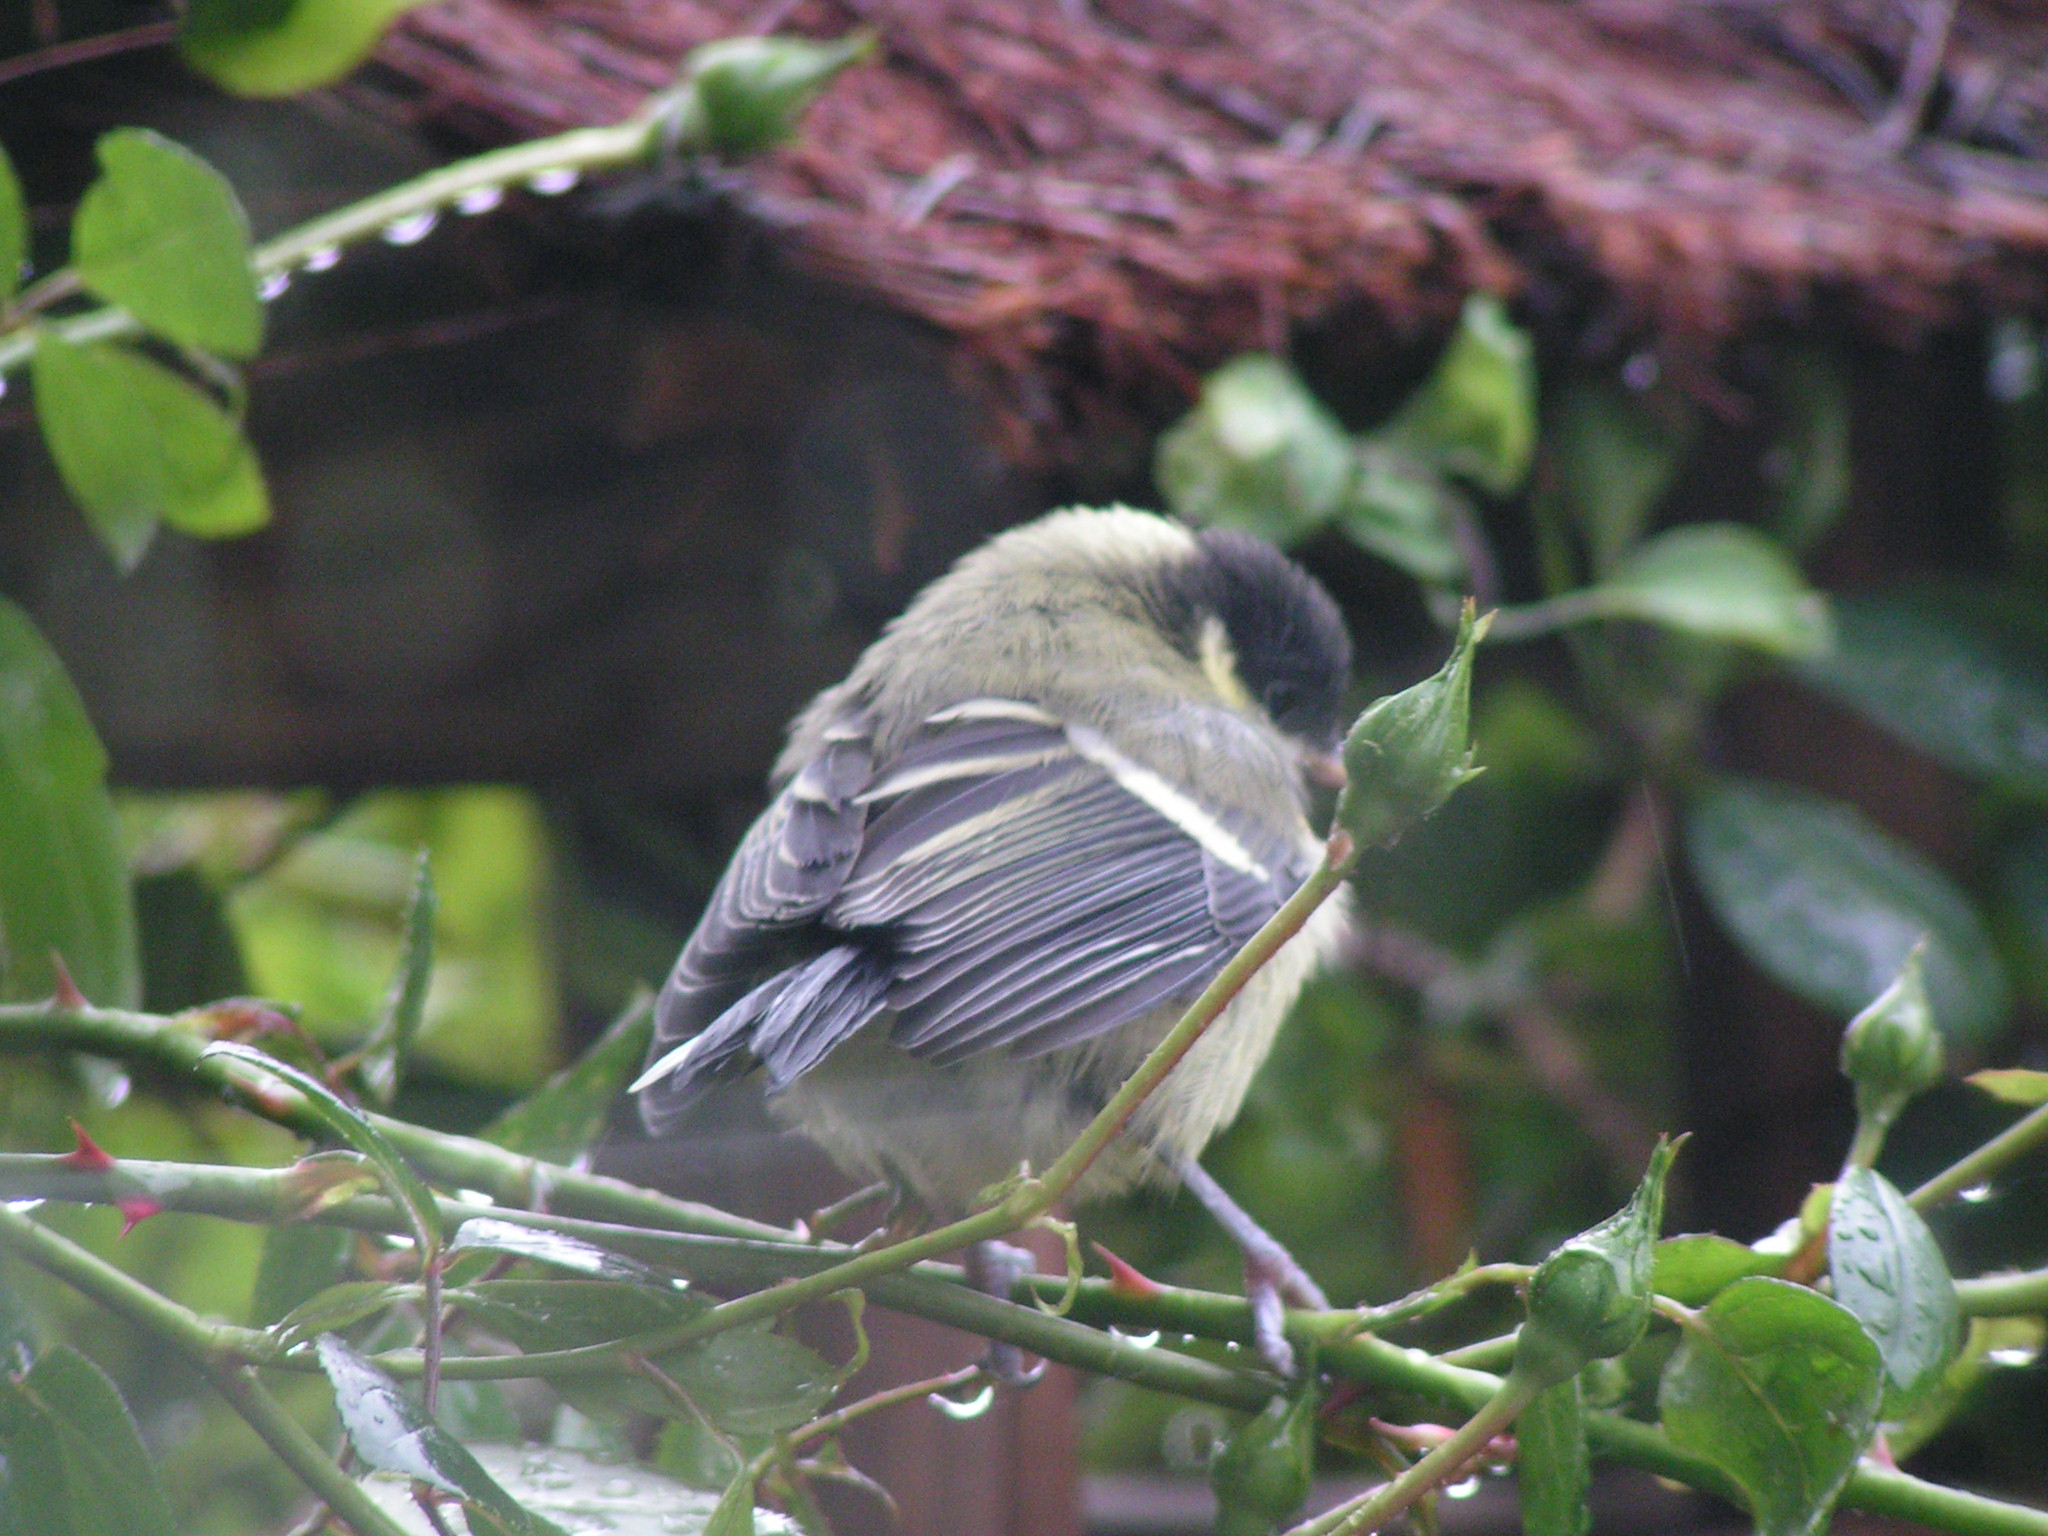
{"type": "Point", "coordinates": [575, 503]}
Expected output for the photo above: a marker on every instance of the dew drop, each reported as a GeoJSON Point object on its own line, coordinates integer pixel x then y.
{"type": "Point", "coordinates": [479, 200]}
{"type": "Point", "coordinates": [1135, 1340]}
{"type": "Point", "coordinates": [23, 1207]}
{"type": "Point", "coordinates": [411, 229]}
{"type": "Point", "coordinates": [2011, 1358]}
{"type": "Point", "coordinates": [1463, 1490]}
{"type": "Point", "coordinates": [1976, 1194]}
{"type": "Point", "coordinates": [553, 183]}
{"type": "Point", "coordinates": [273, 286]}
{"type": "Point", "coordinates": [973, 1408]}
{"type": "Point", "coordinates": [114, 1090]}
{"type": "Point", "coordinates": [323, 258]}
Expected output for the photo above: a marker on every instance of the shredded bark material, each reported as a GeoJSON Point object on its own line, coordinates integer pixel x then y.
{"type": "Point", "coordinates": [1110, 196]}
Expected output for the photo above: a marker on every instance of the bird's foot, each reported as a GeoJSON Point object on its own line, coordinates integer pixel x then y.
{"type": "Point", "coordinates": [1272, 1279]}
{"type": "Point", "coordinates": [994, 1268]}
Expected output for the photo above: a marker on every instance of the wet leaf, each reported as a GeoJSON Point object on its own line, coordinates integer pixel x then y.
{"type": "Point", "coordinates": [422, 1210]}
{"type": "Point", "coordinates": [14, 235]}
{"type": "Point", "coordinates": [63, 877]}
{"type": "Point", "coordinates": [299, 1262]}
{"type": "Point", "coordinates": [747, 1381]}
{"type": "Point", "coordinates": [339, 1306]}
{"type": "Point", "coordinates": [389, 1432]}
{"type": "Point", "coordinates": [1696, 1267]}
{"type": "Point", "coordinates": [384, 1053]}
{"type": "Point", "coordinates": [282, 47]}
{"type": "Point", "coordinates": [1720, 581]}
{"type": "Point", "coordinates": [1258, 452]}
{"type": "Point", "coordinates": [581, 1492]}
{"type": "Point", "coordinates": [1778, 1387]}
{"type": "Point", "coordinates": [734, 1515]}
{"type": "Point", "coordinates": [555, 1248]}
{"type": "Point", "coordinates": [1943, 671]}
{"type": "Point", "coordinates": [1888, 1270]}
{"type": "Point", "coordinates": [73, 1449]}
{"type": "Point", "coordinates": [559, 1120]}
{"type": "Point", "coordinates": [162, 235]}
{"type": "Point", "coordinates": [135, 444]}
{"type": "Point", "coordinates": [1831, 906]}
{"type": "Point", "coordinates": [2012, 1085]}
{"type": "Point", "coordinates": [1551, 1462]}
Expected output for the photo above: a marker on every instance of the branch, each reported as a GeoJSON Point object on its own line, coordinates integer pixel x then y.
{"type": "Point", "coordinates": [213, 1348]}
{"type": "Point", "coordinates": [2023, 1135]}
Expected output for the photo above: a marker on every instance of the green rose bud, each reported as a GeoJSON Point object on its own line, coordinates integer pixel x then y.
{"type": "Point", "coordinates": [1892, 1049]}
{"type": "Point", "coordinates": [1262, 1475]}
{"type": "Point", "coordinates": [1590, 1300]}
{"type": "Point", "coordinates": [746, 94]}
{"type": "Point", "coordinates": [1410, 750]}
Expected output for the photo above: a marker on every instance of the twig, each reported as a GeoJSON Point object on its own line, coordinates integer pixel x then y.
{"type": "Point", "coordinates": [1917, 79]}
{"type": "Point", "coordinates": [83, 50]}
{"type": "Point", "coordinates": [1978, 1167]}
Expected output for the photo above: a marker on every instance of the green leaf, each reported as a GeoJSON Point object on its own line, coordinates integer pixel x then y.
{"type": "Point", "coordinates": [477, 1410]}
{"type": "Point", "coordinates": [1551, 1462]}
{"type": "Point", "coordinates": [299, 1262]}
{"type": "Point", "coordinates": [14, 246]}
{"type": "Point", "coordinates": [734, 1515]}
{"type": "Point", "coordinates": [1407, 753]}
{"type": "Point", "coordinates": [1694, 1268]}
{"type": "Point", "coordinates": [1476, 414]}
{"type": "Point", "coordinates": [414, 1198]}
{"type": "Point", "coordinates": [1401, 511]}
{"type": "Point", "coordinates": [135, 443]}
{"type": "Point", "coordinates": [582, 1491]}
{"type": "Point", "coordinates": [1590, 1300]}
{"type": "Point", "coordinates": [489, 1234]}
{"type": "Point", "coordinates": [1257, 452]}
{"type": "Point", "coordinates": [389, 1432]}
{"type": "Point", "coordinates": [1809, 461]}
{"type": "Point", "coordinates": [64, 1425]}
{"type": "Point", "coordinates": [559, 1120]}
{"type": "Point", "coordinates": [383, 1054]}
{"type": "Point", "coordinates": [1888, 1270]}
{"type": "Point", "coordinates": [1262, 1474]}
{"type": "Point", "coordinates": [63, 877]}
{"type": "Point", "coordinates": [1615, 460]}
{"type": "Point", "coordinates": [162, 235]}
{"type": "Point", "coordinates": [339, 1306]}
{"type": "Point", "coordinates": [1947, 674]}
{"type": "Point", "coordinates": [1720, 581]}
{"type": "Point", "coordinates": [282, 47]}
{"type": "Point", "coordinates": [1830, 905]}
{"type": "Point", "coordinates": [747, 1381]}
{"type": "Point", "coordinates": [1778, 1387]}
{"type": "Point", "coordinates": [2012, 1085]}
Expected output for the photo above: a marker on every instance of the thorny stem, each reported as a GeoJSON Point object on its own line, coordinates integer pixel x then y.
{"type": "Point", "coordinates": [1373, 1509]}
{"type": "Point", "coordinates": [1978, 1167]}
{"type": "Point", "coordinates": [934, 1292]}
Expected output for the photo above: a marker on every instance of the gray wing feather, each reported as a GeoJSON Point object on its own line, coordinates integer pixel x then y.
{"type": "Point", "coordinates": [990, 888]}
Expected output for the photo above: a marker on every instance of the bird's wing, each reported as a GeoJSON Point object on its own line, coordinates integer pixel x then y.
{"type": "Point", "coordinates": [1008, 881]}
{"type": "Point", "coordinates": [1037, 887]}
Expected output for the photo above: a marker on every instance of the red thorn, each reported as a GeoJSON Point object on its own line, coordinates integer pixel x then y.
{"type": "Point", "coordinates": [1125, 1280]}
{"type": "Point", "coordinates": [68, 995]}
{"type": "Point", "coordinates": [134, 1210]}
{"type": "Point", "coordinates": [89, 1156]}
{"type": "Point", "coordinates": [1881, 1452]}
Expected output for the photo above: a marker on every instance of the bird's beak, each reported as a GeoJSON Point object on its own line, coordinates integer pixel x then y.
{"type": "Point", "coordinates": [1324, 768]}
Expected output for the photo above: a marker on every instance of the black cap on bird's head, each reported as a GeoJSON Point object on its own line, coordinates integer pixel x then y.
{"type": "Point", "coordinates": [1288, 644]}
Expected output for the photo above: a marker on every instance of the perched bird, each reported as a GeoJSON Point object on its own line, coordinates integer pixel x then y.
{"type": "Point", "coordinates": [1049, 803]}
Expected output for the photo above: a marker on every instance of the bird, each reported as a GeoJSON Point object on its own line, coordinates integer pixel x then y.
{"type": "Point", "coordinates": [1047, 805]}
